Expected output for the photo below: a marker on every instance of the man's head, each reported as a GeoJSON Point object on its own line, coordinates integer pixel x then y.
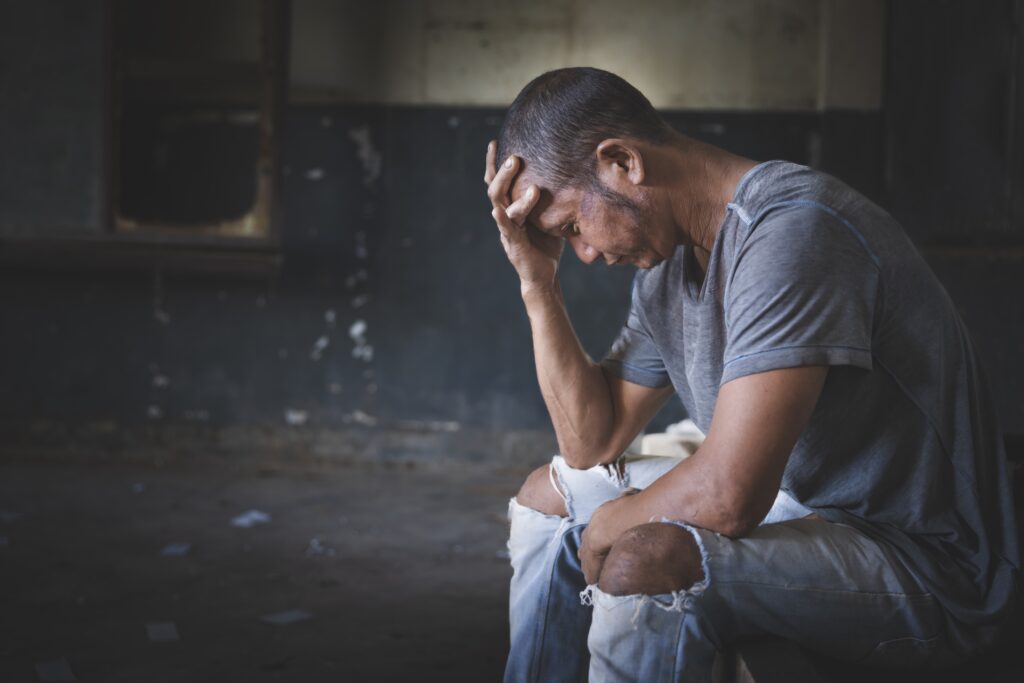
{"type": "Point", "coordinates": [557, 121]}
{"type": "Point", "coordinates": [578, 132]}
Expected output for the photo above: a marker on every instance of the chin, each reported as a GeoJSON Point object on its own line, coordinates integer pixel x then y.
{"type": "Point", "coordinates": [648, 263]}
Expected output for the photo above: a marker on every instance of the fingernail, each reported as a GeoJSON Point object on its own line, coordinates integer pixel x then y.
{"type": "Point", "coordinates": [508, 163]}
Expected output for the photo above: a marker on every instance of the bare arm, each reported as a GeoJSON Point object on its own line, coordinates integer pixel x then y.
{"type": "Point", "coordinates": [595, 415]}
{"type": "Point", "coordinates": [729, 485]}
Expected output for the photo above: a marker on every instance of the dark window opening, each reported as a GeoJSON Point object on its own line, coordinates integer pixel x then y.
{"type": "Point", "coordinates": [196, 90]}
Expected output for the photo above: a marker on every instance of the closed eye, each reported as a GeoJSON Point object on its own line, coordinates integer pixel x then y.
{"type": "Point", "coordinates": [570, 229]}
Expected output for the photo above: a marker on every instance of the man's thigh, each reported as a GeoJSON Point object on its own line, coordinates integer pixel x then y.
{"type": "Point", "coordinates": [826, 586]}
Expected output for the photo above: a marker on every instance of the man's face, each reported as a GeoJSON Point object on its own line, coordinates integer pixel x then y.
{"type": "Point", "coordinates": [595, 226]}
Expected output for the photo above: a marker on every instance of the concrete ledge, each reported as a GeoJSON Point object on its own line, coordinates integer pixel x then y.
{"type": "Point", "coordinates": [406, 445]}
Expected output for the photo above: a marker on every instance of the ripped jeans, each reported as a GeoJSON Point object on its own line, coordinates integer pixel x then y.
{"type": "Point", "coordinates": [826, 586]}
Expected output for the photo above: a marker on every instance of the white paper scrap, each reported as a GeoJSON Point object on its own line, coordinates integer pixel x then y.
{"type": "Point", "coordinates": [250, 519]}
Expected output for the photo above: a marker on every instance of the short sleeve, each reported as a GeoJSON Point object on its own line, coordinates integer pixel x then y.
{"type": "Point", "coordinates": [803, 292]}
{"type": "Point", "coordinates": [634, 356]}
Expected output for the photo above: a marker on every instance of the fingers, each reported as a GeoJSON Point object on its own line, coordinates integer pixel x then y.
{"type": "Point", "coordinates": [489, 170]}
{"type": "Point", "coordinates": [510, 231]}
{"type": "Point", "coordinates": [501, 183]}
{"type": "Point", "coordinates": [518, 210]}
{"type": "Point", "coordinates": [590, 562]}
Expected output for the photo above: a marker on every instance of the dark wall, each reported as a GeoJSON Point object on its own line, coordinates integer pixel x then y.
{"type": "Point", "coordinates": [954, 165]}
{"type": "Point", "coordinates": [955, 121]}
{"type": "Point", "coordinates": [52, 115]}
{"type": "Point", "coordinates": [385, 222]}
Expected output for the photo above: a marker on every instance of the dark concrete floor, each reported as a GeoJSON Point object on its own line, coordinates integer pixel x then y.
{"type": "Point", "coordinates": [411, 583]}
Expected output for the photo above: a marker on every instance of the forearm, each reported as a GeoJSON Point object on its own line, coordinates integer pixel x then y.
{"type": "Point", "coordinates": [700, 492]}
{"type": "Point", "coordinates": [684, 494]}
{"type": "Point", "coordinates": [573, 386]}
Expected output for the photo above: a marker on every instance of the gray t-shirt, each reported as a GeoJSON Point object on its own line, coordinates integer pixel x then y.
{"type": "Point", "coordinates": [903, 443]}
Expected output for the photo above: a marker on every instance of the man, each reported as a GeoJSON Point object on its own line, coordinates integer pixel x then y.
{"type": "Point", "coordinates": [806, 336]}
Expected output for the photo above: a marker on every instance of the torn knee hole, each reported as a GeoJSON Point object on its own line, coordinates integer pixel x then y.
{"type": "Point", "coordinates": [652, 559]}
{"type": "Point", "coordinates": [539, 493]}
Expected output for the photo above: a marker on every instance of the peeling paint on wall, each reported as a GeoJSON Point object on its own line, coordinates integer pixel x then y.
{"type": "Point", "coordinates": [319, 346]}
{"type": "Point", "coordinates": [367, 153]}
{"type": "Point", "coordinates": [362, 350]}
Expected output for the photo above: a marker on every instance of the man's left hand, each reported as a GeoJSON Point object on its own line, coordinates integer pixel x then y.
{"type": "Point", "coordinates": [606, 525]}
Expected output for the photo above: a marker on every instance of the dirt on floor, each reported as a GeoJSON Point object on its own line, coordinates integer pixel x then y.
{"type": "Point", "coordinates": [384, 575]}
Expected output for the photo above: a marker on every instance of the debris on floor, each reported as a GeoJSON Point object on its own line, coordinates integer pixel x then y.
{"type": "Point", "coordinates": [162, 632]}
{"type": "Point", "coordinates": [287, 617]}
{"type": "Point", "coordinates": [176, 549]}
{"type": "Point", "coordinates": [316, 547]}
{"type": "Point", "coordinates": [55, 671]}
{"type": "Point", "coordinates": [86, 574]}
{"type": "Point", "coordinates": [250, 519]}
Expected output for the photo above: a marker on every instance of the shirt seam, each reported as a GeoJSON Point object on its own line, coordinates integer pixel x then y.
{"type": "Point", "coordinates": [759, 218]}
{"type": "Point", "coordinates": [797, 346]}
{"type": "Point", "coordinates": [637, 368]}
{"type": "Point", "coordinates": [827, 209]}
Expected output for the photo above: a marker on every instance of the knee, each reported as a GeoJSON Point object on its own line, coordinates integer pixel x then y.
{"type": "Point", "coordinates": [538, 492]}
{"type": "Point", "coordinates": [652, 559]}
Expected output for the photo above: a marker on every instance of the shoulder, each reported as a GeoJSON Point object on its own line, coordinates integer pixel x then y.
{"type": "Point", "coordinates": [797, 210]}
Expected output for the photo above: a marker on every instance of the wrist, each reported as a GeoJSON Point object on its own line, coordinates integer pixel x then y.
{"type": "Point", "coordinates": [538, 291]}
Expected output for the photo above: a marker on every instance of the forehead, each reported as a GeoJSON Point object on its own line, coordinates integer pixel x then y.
{"type": "Point", "coordinates": [554, 209]}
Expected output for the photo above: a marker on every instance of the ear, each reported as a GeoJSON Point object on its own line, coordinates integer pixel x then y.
{"type": "Point", "coordinates": [619, 162]}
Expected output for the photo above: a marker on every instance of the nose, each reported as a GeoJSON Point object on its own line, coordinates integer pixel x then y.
{"type": "Point", "coordinates": [584, 251]}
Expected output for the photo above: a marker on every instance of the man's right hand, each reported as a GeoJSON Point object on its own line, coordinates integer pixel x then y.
{"type": "Point", "coordinates": [532, 253]}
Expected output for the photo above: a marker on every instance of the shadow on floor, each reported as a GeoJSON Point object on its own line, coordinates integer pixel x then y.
{"type": "Point", "coordinates": [398, 575]}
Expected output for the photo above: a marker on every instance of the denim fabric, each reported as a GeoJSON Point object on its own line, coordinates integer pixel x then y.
{"type": "Point", "coordinates": [827, 586]}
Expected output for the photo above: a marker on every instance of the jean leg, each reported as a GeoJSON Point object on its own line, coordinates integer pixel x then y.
{"type": "Point", "coordinates": [548, 624]}
{"type": "Point", "coordinates": [826, 586]}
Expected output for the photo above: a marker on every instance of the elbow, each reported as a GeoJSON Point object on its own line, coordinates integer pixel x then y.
{"type": "Point", "coordinates": [583, 457]}
{"type": "Point", "coordinates": [736, 527]}
{"type": "Point", "coordinates": [738, 517]}
{"type": "Point", "coordinates": [584, 453]}
{"type": "Point", "coordinates": [580, 459]}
